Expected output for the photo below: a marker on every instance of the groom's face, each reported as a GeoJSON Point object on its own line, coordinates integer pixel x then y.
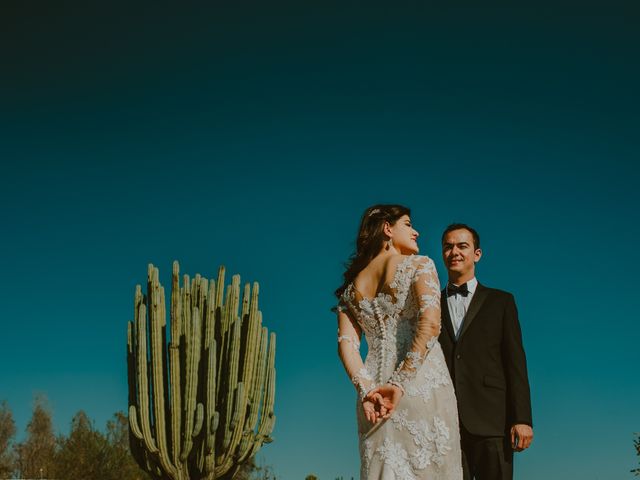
{"type": "Point", "coordinates": [459, 252]}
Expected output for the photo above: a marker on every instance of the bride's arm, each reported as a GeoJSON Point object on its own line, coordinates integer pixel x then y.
{"type": "Point", "coordinates": [426, 289]}
{"type": "Point", "coordinates": [349, 334]}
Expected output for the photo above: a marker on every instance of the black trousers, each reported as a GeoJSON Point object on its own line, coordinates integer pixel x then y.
{"type": "Point", "coordinates": [486, 458]}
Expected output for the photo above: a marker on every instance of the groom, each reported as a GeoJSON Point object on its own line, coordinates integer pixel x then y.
{"type": "Point", "coordinates": [482, 345]}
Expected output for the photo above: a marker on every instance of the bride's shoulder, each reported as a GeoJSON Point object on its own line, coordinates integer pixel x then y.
{"type": "Point", "coordinates": [422, 263]}
{"type": "Point", "coordinates": [408, 263]}
{"type": "Point", "coordinates": [395, 260]}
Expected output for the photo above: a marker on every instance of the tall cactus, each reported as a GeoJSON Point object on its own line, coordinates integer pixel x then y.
{"type": "Point", "coordinates": [202, 404]}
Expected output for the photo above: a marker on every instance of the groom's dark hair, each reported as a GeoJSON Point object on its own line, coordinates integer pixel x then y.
{"type": "Point", "coordinates": [462, 226]}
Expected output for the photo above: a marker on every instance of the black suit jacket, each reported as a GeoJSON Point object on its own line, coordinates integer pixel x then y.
{"type": "Point", "coordinates": [487, 363]}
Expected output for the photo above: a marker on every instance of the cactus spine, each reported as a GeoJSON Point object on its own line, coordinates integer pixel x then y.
{"type": "Point", "coordinates": [202, 404]}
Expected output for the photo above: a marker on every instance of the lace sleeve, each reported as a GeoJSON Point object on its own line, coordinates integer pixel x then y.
{"type": "Point", "coordinates": [349, 334]}
{"type": "Point", "coordinates": [426, 289]}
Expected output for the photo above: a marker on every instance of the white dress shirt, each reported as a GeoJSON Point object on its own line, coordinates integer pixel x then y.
{"type": "Point", "coordinates": [459, 304]}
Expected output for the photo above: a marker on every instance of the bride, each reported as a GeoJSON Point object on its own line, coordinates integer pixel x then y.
{"type": "Point", "coordinates": [406, 411]}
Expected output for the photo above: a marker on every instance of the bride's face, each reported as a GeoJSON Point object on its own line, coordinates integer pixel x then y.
{"type": "Point", "coordinates": [404, 236]}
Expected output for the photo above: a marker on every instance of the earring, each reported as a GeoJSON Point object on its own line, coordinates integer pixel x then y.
{"type": "Point", "coordinates": [389, 243]}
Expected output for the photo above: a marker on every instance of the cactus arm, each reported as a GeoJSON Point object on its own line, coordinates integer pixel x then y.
{"type": "Point", "coordinates": [246, 301]}
{"type": "Point", "coordinates": [252, 338]}
{"type": "Point", "coordinates": [225, 462]}
{"type": "Point", "coordinates": [193, 358]}
{"type": "Point", "coordinates": [220, 289]}
{"type": "Point", "coordinates": [157, 319]}
{"type": "Point", "coordinates": [131, 368]}
{"type": "Point", "coordinates": [231, 385]}
{"type": "Point", "coordinates": [235, 296]}
{"type": "Point", "coordinates": [210, 321]}
{"type": "Point", "coordinates": [186, 306]}
{"type": "Point", "coordinates": [174, 363]}
{"type": "Point", "coordinates": [143, 380]}
{"type": "Point", "coordinates": [268, 417]}
{"type": "Point", "coordinates": [133, 423]}
{"type": "Point", "coordinates": [211, 416]}
{"type": "Point", "coordinates": [198, 420]}
{"type": "Point", "coordinates": [245, 449]}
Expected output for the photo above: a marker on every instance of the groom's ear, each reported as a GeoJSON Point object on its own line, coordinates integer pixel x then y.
{"type": "Point", "coordinates": [477, 255]}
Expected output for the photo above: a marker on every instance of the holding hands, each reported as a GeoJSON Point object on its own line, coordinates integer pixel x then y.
{"type": "Point", "coordinates": [380, 402]}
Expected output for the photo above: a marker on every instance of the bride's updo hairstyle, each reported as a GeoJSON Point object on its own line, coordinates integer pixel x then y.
{"type": "Point", "coordinates": [370, 239]}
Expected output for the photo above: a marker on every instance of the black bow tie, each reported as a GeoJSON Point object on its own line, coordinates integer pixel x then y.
{"type": "Point", "coordinates": [460, 290]}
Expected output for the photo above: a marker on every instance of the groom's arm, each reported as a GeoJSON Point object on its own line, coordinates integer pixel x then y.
{"type": "Point", "coordinates": [515, 365]}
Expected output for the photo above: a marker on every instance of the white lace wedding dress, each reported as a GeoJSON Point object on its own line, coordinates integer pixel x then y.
{"type": "Point", "coordinates": [401, 324]}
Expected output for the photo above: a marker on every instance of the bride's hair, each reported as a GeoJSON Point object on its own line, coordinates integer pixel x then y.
{"type": "Point", "coordinates": [370, 239]}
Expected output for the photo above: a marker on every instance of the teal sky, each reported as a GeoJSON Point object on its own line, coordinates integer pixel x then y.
{"type": "Point", "coordinates": [255, 136]}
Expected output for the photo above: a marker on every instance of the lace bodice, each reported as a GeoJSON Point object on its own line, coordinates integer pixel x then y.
{"type": "Point", "coordinates": [420, 440]}
{"type": "Point", "coordinates": [401, 325]}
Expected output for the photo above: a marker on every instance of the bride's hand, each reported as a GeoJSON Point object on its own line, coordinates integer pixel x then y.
{"type": "Point", "coordinates": [374, 409]}
{"type": "Point", "coordinates": [370, 410]}
{"type": "Point", "coordinates": [386, 397]}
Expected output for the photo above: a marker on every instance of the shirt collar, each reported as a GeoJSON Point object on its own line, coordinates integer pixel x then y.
{"type": "Point", "coordinates": [472, 285]}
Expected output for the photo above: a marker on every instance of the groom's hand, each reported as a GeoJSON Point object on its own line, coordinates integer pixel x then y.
{"type": "Point", "coordinates": [521, 437]}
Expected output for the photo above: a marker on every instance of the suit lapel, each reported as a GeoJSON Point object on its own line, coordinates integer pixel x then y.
{"type": "Point", "coordinates": [446, 317]}
{"type": "Point", "coordinates": [477, 301]}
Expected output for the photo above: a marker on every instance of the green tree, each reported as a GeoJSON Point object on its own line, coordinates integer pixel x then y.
{"type": "Point", "coordinates": [120, 464]}
{"type": "Point", "coordinates": [81, 454]}
{"type": "Point", "coordinates": [310, 477]}
{"type": "Point", "coordinates": [36, 454]}
{"type": "Point", "coordinates": [88, 453]}
{"type": "Point", "coordinates": [250, 470]}
{"type": "Point", "coordinates": [7, 431]}
{"type": "Point", "coordinates": [636, 443]}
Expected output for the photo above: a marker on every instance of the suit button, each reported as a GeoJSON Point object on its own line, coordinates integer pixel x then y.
{"type": "Point", "coordinates": [458, 356]}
